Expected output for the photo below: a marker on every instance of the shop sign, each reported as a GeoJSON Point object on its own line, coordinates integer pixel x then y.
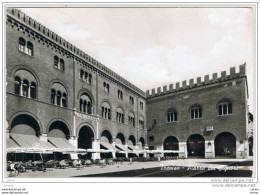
{"type": "Point", "coordinates": [85, 116]}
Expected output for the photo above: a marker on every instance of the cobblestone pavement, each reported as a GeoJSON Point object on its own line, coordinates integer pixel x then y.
{"type": "Point", "coordinates": [126, 166]}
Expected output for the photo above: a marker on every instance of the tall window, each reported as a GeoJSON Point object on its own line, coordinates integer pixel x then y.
{"type": "Point", "coordinates": [25, 47]}
{"type": "Point", "coordinates": [53, 96]}
{"type": "Point", "coordinates": [171, 116]}
{"type": "Point", "coordinates": [85, 104]}
{"type": "Point", "coordinates": [106, 111]}
{"type": "Point", "coordinates": [195, 112]}
{"type": "Point", "coordinates": [64, 100]}
{"type": "Point", "coordinates": [59, 95]}
{"type": "Point", "coordinates": [62, 66]}
{"type": "Point", "coordinates": [90, 78]}
{"type": "Point", "coordinates": [17, 86]}
{"type": "Point", "coordinates": [81, 74]}
{"type": "Point", "coordinates": [141, 105]}
{"type": "Point", "coordinates": [30, 48]}
{"type": "Point", "coordinates": [141, 123]}
{"type": "Point", "coordinates": [120, 115]}
{"type": "Point", "coordinates": [58, 98]}
{"type": "Point", "coordinates": [106, 86]}
{"type": "Point", "coordinates": [21, 45]}
{"type": "Point", "coordinates": [59, 63]}
{"type": "Point", "coordinates": [85, 76]}
{"type": "Point", "coordinates": [131, 100]}
{"type": "Point", "coordinates": [120, 94]}
{"type": "Point", "coordinates": [56, 61]}
{"type": "Point", "coordinates": [131, 119]}
{"type": "Point", "coordinates": [33, 90]}
{"type": "Point", "coordinates": [224, 108]}
{"type": "Point", "coordinates": [25, 88]}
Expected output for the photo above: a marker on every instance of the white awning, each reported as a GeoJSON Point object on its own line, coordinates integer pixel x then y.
{"type": "Point", "coordinates": [109, 147]}
{"type": "Point", "coordinates": [123, 148]}
{"type": "Point", "coordinates": [31, 144]}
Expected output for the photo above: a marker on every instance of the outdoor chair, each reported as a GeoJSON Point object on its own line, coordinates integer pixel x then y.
{"type": "Point", "coordinates": [102, 163]}
{"type": "Point", "coordinates": [110, 162]}
{"type": "Point", "coordinates": [63, 164]}
{"type": "Point", "coordinates": [77, 164]}
{"type": "Point", "coordinates": [88, 163]}
{"type": "Point", "coordinates": [96, 162]}
{"type": "Point", "coordinates": [14, 171]}
{"type": "Point", "coordinates": [20, 168]}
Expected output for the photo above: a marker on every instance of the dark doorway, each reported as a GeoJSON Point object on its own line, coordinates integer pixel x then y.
{"type": "Point", "coordinates": [171, 143]}
{"type": "Point", "coordinates": [225, 145]}
{"type": "Point", "coordinates": [196, 146]}
{"type": "Point", "coordinates": [86, 136]}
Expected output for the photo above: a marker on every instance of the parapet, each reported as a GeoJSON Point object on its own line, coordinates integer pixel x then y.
{"type": "Point", "coordinates": [58, 43]}
{"type": "Point", "coordinates": [191, 84]}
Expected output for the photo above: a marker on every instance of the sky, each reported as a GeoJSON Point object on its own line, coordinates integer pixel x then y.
{"type": "Point", "coordinates": [153, 47]}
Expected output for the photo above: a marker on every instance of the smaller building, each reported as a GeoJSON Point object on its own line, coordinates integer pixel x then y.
{"type": "Point", "coordinates": [203, 119]}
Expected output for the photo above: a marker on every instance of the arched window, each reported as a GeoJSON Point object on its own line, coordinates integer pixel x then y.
{"type": "Point", "coordinates": [85, 104]}
{"type": "Point", "coordinates": [171, 116]}
{"type": "Point", "coordinates": [33, 90]}
{"type": "Point", "coordinates": [80, 105]}
{"type": "Point", "coordinates": [64, 100]}
{"type": "Point", "coordinates": [131, 99]}
{"type": "Point", "coordinates": [120, 115]}
{"type": "Point", "coordinates": [81, 74]}
{"type": "Point", "coordinates": [59, 95]}
{"type": "Point", "coordinates": [195, 112]}
{"type": "Point", "coordinates": [89, 107]}
{"type": "Point", "coordinates": [141, 105]}
{"type": "Point", "coordinates": [53, 96]}
{"type": "Point", "coordinates": [25, 84]}
{"type": "Point", "coordinates": [58, 98]}
{"type": "Point", "coordinates": [106, 87]}
{"type": "Point", "coordinates": [90, 78]}
{"type": "Point", "coordinates": [17, 85]}
{"type": "Point", "coordinates": [62, 66]}
{"type": "Point", "coordinates": [30, 48]}
{"type": "Point", "coordinates": [25, 88]}
{"type": "Point", "coordinates": [106, 111]}
{"type": "Point", "coordinates": [131, 119]}
{"type": "Point", "coordinates": [120, 94]}
{"type": "Point", "coordinates": [86, 76]}
{"type": "Point", "coordinates": [21, 45]}
{"type": "Point", "coordinates": [59, 63]}
{"type": "Point", "coordinates": [224, 108]}
{"type": "Point", "coordinates": [56, 62]}
{"type": "Point", "coordinates": [141, 123]}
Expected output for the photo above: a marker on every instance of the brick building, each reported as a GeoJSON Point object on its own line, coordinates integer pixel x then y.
{"type": "Point", "coordinates": [202, 119]}
{"type": "Point", "coordinates": [57, 95]}
{"type": "Point", "coordinates": [54, 90]}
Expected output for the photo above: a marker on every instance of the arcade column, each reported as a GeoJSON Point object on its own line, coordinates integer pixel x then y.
{"type": "Point", "coordinates": [183, 150]}
{"type": "Point", "coordinates": [242, 151]}
{"type": "Point", "coordinates": [74, 141]}
{"type": "Point", "coordinates": [114, 145]}
{"type": "Point", "coordinates": [96, 146]}
{"type": "Point", "coordinates": [43, 137]}
{"type": "Point", "coordinates": [209, 149]}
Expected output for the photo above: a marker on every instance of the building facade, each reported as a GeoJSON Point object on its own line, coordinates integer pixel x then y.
{"type": "Point", "coordinates": [203, 119]}
{"type": "Point", "coordinates": [54, 90]}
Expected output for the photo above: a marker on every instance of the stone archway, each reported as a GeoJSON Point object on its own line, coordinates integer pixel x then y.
{"type": "Point", "coordinates": [171, 143]}
{"type": "Point", "coordinates": [25, 124]}
{"type": "Point", "coordinates": [196, 146]}
{"type": "Point", "coordinates": [85, 137]}
{"type": "Point", "coordinates": [225, 145]}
